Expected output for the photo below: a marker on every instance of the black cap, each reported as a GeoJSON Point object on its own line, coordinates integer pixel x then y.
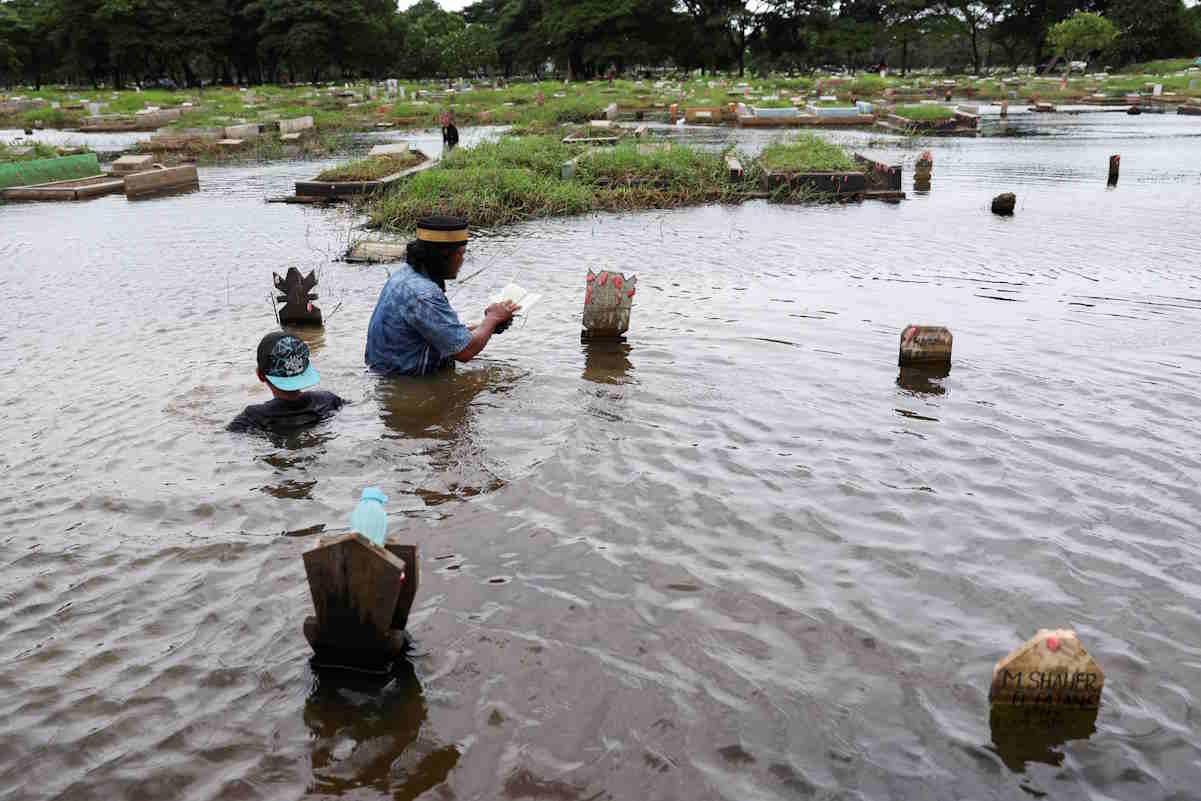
{"type": "Point", "coordinates": [284, 361]}
{"type": "Point", "coordinates": [439, 228]}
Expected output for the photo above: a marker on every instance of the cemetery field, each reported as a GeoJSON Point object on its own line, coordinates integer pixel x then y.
{"type": "Point", "coordinates": [741, 554]}
{"type": "Point", "coordinates": [540, 106]}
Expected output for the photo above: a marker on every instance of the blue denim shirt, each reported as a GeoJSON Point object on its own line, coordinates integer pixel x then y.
{"type": "Point", "coordinates": [413, 330]}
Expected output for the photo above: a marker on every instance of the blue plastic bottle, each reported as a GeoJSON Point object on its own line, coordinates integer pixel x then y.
{"type": "Point", "coordinates": [370, 518]}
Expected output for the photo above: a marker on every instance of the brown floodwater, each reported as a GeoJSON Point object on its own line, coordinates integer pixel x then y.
{"type": "Point", "coordinates": [740, 556]}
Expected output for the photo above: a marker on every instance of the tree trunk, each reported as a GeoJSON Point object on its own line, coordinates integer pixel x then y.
{"type": "Point", "coordinates": [904, 56]}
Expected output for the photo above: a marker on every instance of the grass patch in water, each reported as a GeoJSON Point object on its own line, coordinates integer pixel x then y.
{"type": "Point", "coordinates": [518, 179]}
{"type": "Point", "coordinates": [483, 195]}
{"type": "Point", "coordinates": [925, 112]}
{"type": "Point", "coordinates": [40, 150]}
{"type": "Point", "coordinates": [370, 169]}
{"type": "Point", "coordinates": [807, 153]}
{"type": "Point", "coordinates": [541, 154]}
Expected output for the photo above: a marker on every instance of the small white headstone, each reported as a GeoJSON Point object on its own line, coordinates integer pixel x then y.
{"type": "Point", "coordinates": [1157, 90]}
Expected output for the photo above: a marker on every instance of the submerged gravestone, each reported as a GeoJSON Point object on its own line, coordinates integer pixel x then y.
{"type": "Point", "coordinates": [297, 297]}
{"type": "Point", "coordinates": [925, 346]}
{"type": "Point", "coordinates": [607, 303]}
{"type": "Point", "coordinates": [1052, 668]}
{"type": "Point", "coordinates": [362, 594]}
{"type": "Point", "coordinates": [1004, 204]}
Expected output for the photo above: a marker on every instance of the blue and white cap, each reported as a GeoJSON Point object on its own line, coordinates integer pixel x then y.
{"type": "Point", "coordinates": [284, 361]}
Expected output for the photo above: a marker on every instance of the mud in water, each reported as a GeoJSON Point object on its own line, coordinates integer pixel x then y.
{"type": "Point", "coordinates": [740, 556]}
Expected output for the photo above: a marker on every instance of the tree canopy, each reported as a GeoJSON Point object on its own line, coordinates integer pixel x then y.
{"type": "Point", "coordinates": [251, 41]}
{"type": "Point", "coordinates": [1082, 33]}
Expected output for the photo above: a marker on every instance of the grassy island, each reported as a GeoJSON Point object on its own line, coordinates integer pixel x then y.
{"type": "Point", "coordinates": [372, 168]}
{"type": "Point", "coordinates": [520, 178]}
{"type": "Point", "coordinates": [925, 112]}
{"type": "Point", "coordinates": [807, 153]}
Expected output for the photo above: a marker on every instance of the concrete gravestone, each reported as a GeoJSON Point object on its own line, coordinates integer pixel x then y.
{"type": "Point", "coordinates": [607, 303]}
{"type": "Point", "coordinates": [1052, 668]}
{"type": "Point", "coordinates": [925, 345]}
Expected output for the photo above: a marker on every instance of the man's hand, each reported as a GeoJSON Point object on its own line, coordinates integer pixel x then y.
{"type": "Point", "coordinates": [502, 314]}
{"type": "Point", "coordinates": [496, 319]}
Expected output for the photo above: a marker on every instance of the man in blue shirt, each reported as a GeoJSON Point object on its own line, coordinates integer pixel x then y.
{"type": "Point", "coordinates": [414, 330]}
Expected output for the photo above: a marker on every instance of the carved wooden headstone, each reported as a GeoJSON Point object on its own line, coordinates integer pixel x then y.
{"type": "Point", "coordinates": [297, 297]}
{"type": "Point", "coordinates": [607, 303]}
{"type": "Point", "coordinates": [1052, 668]}
{"type": "Point", "coordinates": [362, 595]}
{"type": "Point", "coordinates": [925, 345]}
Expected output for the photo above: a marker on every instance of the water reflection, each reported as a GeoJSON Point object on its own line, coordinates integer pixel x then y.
{"type": "Point", "coordinates": [607, 361]}
{"type": "Point", "coordinates": [313, 336]}
{"type": "Point", "coordinates": [368, 735]}
{"type": "Point", "coordinates": [1022, 734]}
{"type": "Point", "coordinates": [923, 380]}
{"type": "Point", "coordinates": [434, 416]}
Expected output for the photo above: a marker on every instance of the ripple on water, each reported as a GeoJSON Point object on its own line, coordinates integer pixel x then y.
{"type": "Point", "coordinates": [740, 555]}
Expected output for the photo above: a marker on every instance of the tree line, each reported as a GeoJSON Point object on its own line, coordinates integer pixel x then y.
{"type": "Point", "coordinates": [192, 42]}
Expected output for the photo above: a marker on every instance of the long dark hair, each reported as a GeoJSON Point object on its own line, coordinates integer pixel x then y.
{"type": "Point", "coordinates": [431, 259]}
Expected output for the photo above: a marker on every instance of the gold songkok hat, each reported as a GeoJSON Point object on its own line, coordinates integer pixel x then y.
{"type": "Point", "coordinates": [442, 230]}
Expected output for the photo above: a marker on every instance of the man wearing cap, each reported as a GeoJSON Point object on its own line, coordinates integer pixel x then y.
{"type": "Point", "coordinates": [414, 330]}
{"type": "Point", "coordinates": [283, 365]}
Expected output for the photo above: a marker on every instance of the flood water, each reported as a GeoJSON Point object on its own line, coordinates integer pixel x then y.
{"type": "Point", "coordinates": [740, 556]}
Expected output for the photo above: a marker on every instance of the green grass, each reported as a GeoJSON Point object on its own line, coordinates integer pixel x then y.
{"type": "Point", "coordinates": [40, 150]}
{"type": "Point", "coordinates": [483, 195]}
{"type": "Point", "coordinates": [627, 164]}
{"type": "Point", "coordinates": [541, 154]}
{"type": "Point", "coordinates": [869, 85]}
{"type": "Point", "coordinates": [807, 153]}
{"type": "Point", "coordinates": [1160, 67]}
{"type": "Point", "coordinates": [517, 179]}
{"type": "Point", "coordinates": [924, 113]}
{"type": "Point", "coordinates": [370, 169]}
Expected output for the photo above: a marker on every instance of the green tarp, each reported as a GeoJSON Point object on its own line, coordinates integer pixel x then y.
{"type": "Point", "coordinates": [43, 171]}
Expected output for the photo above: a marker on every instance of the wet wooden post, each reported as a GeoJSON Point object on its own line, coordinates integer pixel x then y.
{"type": "Point", "coordinates": [362, 595]}
{"type": "Point", "coordinates": [297, 298]}
{"type": "Point", "coordinates": [1115, 163]}
{"type": "Point", "coordinates": [1004, 109]}
{"type": "Point", "coordinates": [607, 303]}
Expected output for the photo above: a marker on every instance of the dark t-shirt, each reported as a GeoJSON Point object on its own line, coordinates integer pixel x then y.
{"type": "Point", "coordinates": [450, 136]}
{"type": "Point", "coordinates": [280, 416]}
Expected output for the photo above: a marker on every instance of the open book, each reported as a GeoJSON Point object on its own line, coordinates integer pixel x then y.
{"type": "Point", "coordinates": [522, 297]}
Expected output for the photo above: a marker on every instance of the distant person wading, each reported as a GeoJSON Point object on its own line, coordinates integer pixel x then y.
{"type": "Point", "coordinates": [414, 330]}
{"type": "Point", "coordinates": [450, 134]}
